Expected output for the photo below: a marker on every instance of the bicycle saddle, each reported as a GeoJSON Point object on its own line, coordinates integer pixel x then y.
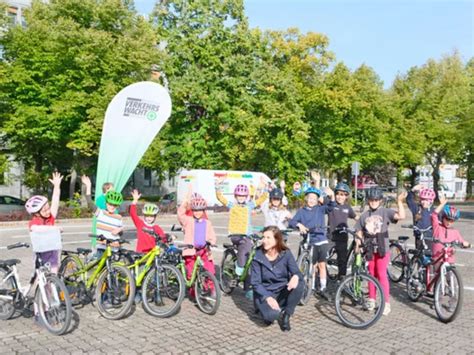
{"type": "Point", "coordinates": [84, 251]}
{"type": "Point", "coordinates": [402, 238]}
{"type": "Point", "coordinates": [9, 262]}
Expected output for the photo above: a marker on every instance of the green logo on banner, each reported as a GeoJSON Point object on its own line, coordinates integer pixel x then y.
{"type": "Point", "coordinates": [151, 115]}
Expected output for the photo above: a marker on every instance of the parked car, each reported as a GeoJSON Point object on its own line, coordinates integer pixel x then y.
{"type": "Point", "coordinates": [9, 204]}
{"type": "Point", "coordinates": [443, 189]}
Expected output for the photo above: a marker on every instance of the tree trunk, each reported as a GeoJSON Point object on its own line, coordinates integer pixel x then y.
{"type": "Point", "coordinates": [72, 183]}
{"type": "Point", "coordinates": [469, 176]}
{"type": "Point", "coordinates": [413, 175]}
{"type": "Point", "coordinates": [436, 176]}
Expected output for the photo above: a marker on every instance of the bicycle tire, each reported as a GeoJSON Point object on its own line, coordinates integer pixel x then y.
{"type": "Point", "coordinates": [70, 265]}
{"type": "Point", "coordinates": [358, 298]}
{"type": "Point", "coordinates": [7, 307]}
{"type": "Point", "coordinates": [397, 264]}
{"type": "Point", "coordinates": [450, 272]}
{"type": "Point", "coordinates": [304, 264]}
{"type": "Point", "coordinates": [104, 306]}
{"type": "Point", "coordinates": [170, 277]}
{"type": "Point", "coordinates": [208, 298]}
{"type": "Point", "coordinates": [227, 271]}
{"type": "Point", "coordinates": [62, 306]}
{"type": "Point", "coordinates": [415, 277]}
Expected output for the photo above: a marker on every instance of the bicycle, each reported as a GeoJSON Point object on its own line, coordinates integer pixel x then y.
{"type": "Point", "coordinates": [163, 285]}
{"type": "Point", "coordinates": [353, 306]}
{"type": "Point", "coordinates": [205, 284]}
{"type": "Point", "coordinates": [45, 292]}
{"type": "Point", "coordinates": [332, 263]}
{"type": "Point", "coordinates": [305, 264]}
{"type": "Point", "coordinates": [229, 279]}
{"type": "Point", "coordinates": [111, 284]}
{"type": "Point", "coordinates": [399, 254]}
{"type": "Point", "coordinates": [445, 280]}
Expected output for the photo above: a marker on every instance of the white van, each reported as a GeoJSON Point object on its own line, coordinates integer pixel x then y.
{"type": "Point", "coordinates": [203, 182]}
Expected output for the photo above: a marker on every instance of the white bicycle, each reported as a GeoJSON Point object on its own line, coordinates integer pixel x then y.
{"type": "Point", "coordinates": [46, 295]}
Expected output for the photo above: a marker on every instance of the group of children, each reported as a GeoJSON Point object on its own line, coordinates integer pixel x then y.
{"type": "Point", "coordinates": [310, 219]}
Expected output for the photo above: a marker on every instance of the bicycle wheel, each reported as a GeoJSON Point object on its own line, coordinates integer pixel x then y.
{"type": "Point", "coordinates": [353, 306]}
{"type": "Point", "coordinates": [54, 305]}
{"type": "Point", "coordinates": [227, 276]}
{"type": "Point", "coordinates": [163, 291]}
{"type": "Point", "coordinates": [208, 294]}
{"type": "Point", "coordinates": [415, 279]}
{"type": "Point", "coordinates": [397, 263]}
{"type": "Point", "coordinates": [332, 267]}
{"type": "Point", "coordinates": [448, 297]}
{"type": "Point", "coordinates": [115, 292]}
{"type": "Point", "coordinates": [304, 264]}
{"type": "Point", "coordinates": [7, 292]}
{"type": "Point", "coordinates": [68, 273]}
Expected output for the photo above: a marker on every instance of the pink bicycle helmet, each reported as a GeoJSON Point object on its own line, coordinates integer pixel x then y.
{"type": "Point", "coordinates": [198, 203]}
{"type": "Point", "coordinates": [35, 203]}
{"type": "Point", "coordinates": [427, 194]}
{"type": "Point", "coordinates": [241, 190]}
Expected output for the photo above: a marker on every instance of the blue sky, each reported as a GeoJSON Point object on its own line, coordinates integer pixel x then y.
{"type": "Point", "coordinates": [388, 35]}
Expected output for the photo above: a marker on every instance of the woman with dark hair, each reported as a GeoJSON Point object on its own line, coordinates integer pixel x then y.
{"type": "Point", "coordinates": [276, 280]}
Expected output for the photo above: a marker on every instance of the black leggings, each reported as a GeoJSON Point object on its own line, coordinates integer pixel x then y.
{"type": "Point", "coordinates": [288, 300]}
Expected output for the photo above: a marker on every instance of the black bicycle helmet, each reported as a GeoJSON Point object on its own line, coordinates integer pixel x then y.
{"type": "Point", "coordinates": [375, 193]}
{"type": "Point", "coordinates": [276, 194]}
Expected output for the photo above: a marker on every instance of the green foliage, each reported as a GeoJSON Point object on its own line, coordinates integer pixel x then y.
{"type": "Point", "coordinates": [60, 73]}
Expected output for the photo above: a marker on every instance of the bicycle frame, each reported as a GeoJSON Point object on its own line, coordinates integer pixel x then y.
{"type": "Point", "coordinates": [182, 268]}
{"type": "Point", "coordinates": [83, 273]}
{"type": "Point", "coordinates": [147, 261]}
{"type": "Point", "coordinates": [440, 272]}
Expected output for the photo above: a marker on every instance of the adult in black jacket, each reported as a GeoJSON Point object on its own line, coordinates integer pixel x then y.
{"type": "Point", "coordinates": [276, 280]}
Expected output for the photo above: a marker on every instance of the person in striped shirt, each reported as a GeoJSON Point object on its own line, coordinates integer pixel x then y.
{"type": "Point", "coordinates": [109, 222]}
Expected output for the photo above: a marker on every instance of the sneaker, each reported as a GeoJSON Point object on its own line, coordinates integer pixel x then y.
{"type": "Point", "coordinates": [249, 295]}
{"type": "Point", "coordinates": [138, 298]}
{"type": "Point", "coordinates": [325, 294]}
{"type": "Point", "coordinates": [387, 309]}
{"type": "Point", "coordinates": [370, 304]}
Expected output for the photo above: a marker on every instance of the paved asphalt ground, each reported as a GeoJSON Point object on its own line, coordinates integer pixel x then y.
{"type": "Point", "coordinates": [410, 328]}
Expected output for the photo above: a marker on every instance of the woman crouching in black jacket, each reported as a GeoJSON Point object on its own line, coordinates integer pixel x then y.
{"type": "Point", "coordinates": [276, 280]}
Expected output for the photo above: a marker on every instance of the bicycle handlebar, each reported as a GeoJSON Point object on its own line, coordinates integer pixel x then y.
{"type": "Point", "coordinates": [449, 244]}
{"type": "Point", "coordinates": [18, 245]}
{"type": "Point", "coordinates": [101, 237]}
{"type": "Point", "coordinates": [174, 228]}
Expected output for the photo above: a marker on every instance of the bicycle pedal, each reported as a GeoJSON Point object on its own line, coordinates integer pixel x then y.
{"type": "Point", "coordinates": [233, 283]}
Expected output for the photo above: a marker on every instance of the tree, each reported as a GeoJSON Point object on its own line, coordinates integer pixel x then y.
{"type": "Point", "coordinates": [62, 70]}
{"type": "Point", "coordinates": [234, 105]}
{"type": "Point", "coordinates": [437, 98]}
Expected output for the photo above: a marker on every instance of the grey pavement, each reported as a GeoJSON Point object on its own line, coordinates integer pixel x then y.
{"type": "Point", "coordinates": [410, 328]}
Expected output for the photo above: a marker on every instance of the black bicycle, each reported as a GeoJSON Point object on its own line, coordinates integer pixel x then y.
{"type": "Point", "coordinates": [400, 254]}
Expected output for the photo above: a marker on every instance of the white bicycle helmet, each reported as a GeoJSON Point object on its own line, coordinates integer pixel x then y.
{"type": "Point", "coordinates": [35, 203]}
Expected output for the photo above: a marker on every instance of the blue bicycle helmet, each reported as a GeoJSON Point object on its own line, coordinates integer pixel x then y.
{"type": "Point", "coordinates": [343, 187]}
{"type": "Point", "coordinates": [451, 213]}
{"type": "Point", "coordinates": [312, 190]}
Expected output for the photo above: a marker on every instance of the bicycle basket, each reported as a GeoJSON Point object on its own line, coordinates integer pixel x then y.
{"type": "Point", "coordinates": [46, 240]}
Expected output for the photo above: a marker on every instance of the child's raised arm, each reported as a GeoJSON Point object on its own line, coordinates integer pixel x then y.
{"type": "Point", "coordinates": [56, 181]}
{"type": "Point", "coordinates": [401, 210]}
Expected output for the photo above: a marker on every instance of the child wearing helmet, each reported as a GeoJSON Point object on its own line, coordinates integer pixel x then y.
{"type": "Point", "coordinates": [372, 226]}
{"type": "Point", "coordinates": [310, 220]}
{"type": "Point", "coordinates": [109, 222]}
{"type": "Point", "coordinates": [197, 232]}
{"type": "Point", "coordinates": [145, 241]}
{"type": "Point", "coordinates": [337, 220]}
{"type": "Point", "coordinates": [240, 220]}
{"type": "Point", "coordinates": [443, 231]}
{"type": "Point", "coordinates": [274, 209]}
{"type": "Point", "coordinates": [421, 212]}
{"type": "Point", "coordinates": [44, 214]}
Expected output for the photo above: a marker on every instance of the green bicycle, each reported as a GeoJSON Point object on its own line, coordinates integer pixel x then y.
{"type": "Point", "coordinates": [229, 280]}
{"type": "Point", "coordinates": [104, 280]}
{"type": "Point", "coordinates": [163, 286]}
{"type": "Point", "coordinates": [353, 306]}
{"type": "Point", "coordinates": [205, 285]}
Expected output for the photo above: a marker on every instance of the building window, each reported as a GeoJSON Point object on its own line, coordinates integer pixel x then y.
{"type": "Point", "coordinates": [458, 186]}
